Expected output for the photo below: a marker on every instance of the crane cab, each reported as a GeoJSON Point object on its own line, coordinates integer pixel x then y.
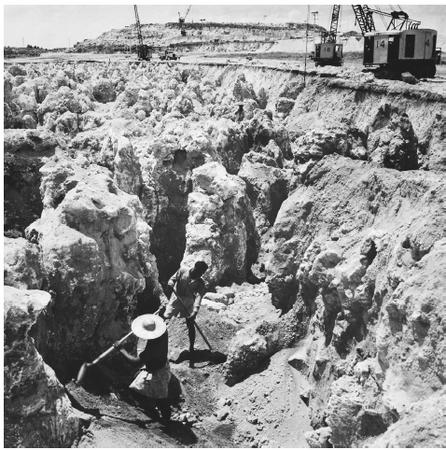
{"type": "Point", "coordinates": [328, 54]}
{"type": "Point", "coordinates": [412, 50]}
{"type": "Point", "coordinates": [144, 52]}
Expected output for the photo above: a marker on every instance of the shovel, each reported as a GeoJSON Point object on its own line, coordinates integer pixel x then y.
{"type": "Point", "coordinates": [86, 365]}
{"type": "Point", "coordinates": [83, 370]}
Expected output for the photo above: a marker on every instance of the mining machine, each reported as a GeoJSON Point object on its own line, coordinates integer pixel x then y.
{"type": "Point", "coordinates": [328, 52]}
{"type": "Point", "coordinates": [144, 51]}
{"type": "Point", "coordinates": [168, 55]}
{"type": "Point", "coordinates": [182, 20]}
{"type": "Point", "coordinates": [403, 47]}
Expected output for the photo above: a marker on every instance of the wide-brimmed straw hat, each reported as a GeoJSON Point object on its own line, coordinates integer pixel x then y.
{"type": "Point", "coordinates": [148, 326]}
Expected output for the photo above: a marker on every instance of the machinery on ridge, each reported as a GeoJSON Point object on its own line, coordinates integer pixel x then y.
{"type": "Point", "coordinates": [168, 55]}
{"type": "Point", "coordinates": [328, 51]}
{"type": "Point", "coordinates": [182, 20]}
{"type": "Point", "coordinates": [144, 51]}
{"type": "Point", "coordinates": [403, 47]}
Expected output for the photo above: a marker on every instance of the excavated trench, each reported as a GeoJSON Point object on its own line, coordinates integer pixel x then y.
{"type": "Point", "coordinates": [23, 160]}
{"type": "Point", "coordinates": [169, 228]}
{"type": "Point", "coordinates": [289, 160]}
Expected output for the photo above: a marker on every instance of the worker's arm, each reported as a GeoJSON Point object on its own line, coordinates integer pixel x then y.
{"type": "Point", "coordinates": [129, 357]}
{"type": "Point", "coordinates": [173, 279]}
{"type": "Point", "coordinates": [197, 303]}
{"type": "Point", "coordinates": [164, 299]}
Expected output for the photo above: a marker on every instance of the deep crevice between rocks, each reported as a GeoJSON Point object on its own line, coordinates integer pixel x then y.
{"type": "Point", "coordinates": [169, 228]}
{"type": "Point", "coordinates": [22, 199]}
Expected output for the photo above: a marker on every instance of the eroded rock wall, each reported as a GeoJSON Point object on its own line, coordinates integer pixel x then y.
{"type": "Point", "coordinates": [356, 245]}
{"type": "Point", "coordinates": [220, 229]}
{"type": "Point", "coordinates": [96, 260]}
{"type": "Point", "coordinates": [38, 413]}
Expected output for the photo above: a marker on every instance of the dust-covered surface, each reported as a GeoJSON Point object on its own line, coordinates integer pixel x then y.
{"type": "Point", "coordinates": [272, 415]}
{"type": "Point", "coordinates": [119, 420]}
{"type": "Point", "coordinates": [319, 207]}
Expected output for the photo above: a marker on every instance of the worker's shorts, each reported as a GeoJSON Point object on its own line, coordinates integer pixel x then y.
{"type": "Point", "coordinates": [152, 385]}
{"type": "Point", "coordinates": [175, 309]}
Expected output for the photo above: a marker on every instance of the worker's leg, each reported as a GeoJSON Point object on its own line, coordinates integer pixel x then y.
{"type": "Point", "coordinates": [191, 331]}
{"type": "Point", "coordinates": [163, 406]}
{"type": "Point", "coordinates": [147, 404]}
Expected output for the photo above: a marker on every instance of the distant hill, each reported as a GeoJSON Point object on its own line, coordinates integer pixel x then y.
{"type": "Point", "coordinates": [212, 36]}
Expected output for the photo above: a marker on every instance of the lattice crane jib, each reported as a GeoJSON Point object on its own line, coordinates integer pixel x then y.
{"type": "Point", "coordinates": [138, 26]}
{"type": "Point", "coordinates": [364, 18]}
{"type": "Point", "coordinates": [399, 20]}
{"type": "Point", "coordinates": [334, 23]}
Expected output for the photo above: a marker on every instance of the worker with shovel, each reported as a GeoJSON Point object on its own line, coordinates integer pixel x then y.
{"type": "Point", "coordinates": [152, 381]}
{"type": "Point", "coordinates": [188, 289]}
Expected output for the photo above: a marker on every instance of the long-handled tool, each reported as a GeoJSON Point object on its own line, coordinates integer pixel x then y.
{"type": "Point", "coordinates": [195, 323]}
{"type": "Point", "coordinates": [86, 365]}
{"type": "Point", "coordinates": [83, 370]}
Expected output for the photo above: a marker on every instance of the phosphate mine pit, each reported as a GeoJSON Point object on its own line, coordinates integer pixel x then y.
{"type": "Point", "coordinates": [319, 208]}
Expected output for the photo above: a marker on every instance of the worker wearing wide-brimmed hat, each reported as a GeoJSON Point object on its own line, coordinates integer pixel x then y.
{"type": "Point", "coordinates": [152, 381]}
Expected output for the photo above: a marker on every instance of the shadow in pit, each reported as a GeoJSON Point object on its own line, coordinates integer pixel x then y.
{"type": "Point", "coordinates": [179, 431]}
{"type": "Point", "coordinates": [201, 356]}
{"type": "Point", "coordinates": [238, 375]}
{"type": "Point", "coordinates": [96, 381]}
{"type": "Point", "coordinates": [132, 408]}
{"type": "Point", "coordinates": [175, 429]}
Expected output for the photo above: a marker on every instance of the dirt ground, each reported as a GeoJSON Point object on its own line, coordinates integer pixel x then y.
{"type": "Point", "coordinates": [265, 408]}
{"type": "Point", "coordinates": [259, 411]}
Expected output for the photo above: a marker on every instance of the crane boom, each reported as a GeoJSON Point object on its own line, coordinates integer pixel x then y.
{"type": "Point", "coordinates": [182, 19]}
{"type": "Point", "coordinates": [399, 19]}
{"type": "Point", "coordinates": [330, 36]}
{"type": "Point", "coordinates": [187, 11]}
{"type": "Point", "coordinates": [138, 26]}
{"type": "Point", "coordinates": [364, 18]}
{"type": "Point", "coordinates": [334, 23]}
{"type": "Point", "coordinates": [143, 50]}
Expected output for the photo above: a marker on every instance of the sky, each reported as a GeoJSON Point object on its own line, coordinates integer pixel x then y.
{"type": "Point", "coordinates": [53, 26]}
